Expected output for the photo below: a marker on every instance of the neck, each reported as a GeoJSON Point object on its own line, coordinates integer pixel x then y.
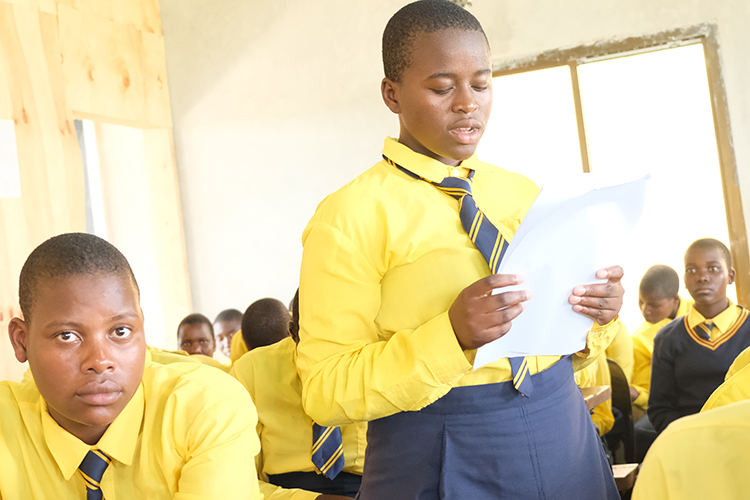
{"type": "Point", "coordinates": [710, 311]}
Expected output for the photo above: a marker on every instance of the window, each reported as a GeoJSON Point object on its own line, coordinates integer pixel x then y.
{"type": "Point", "coordinates": [648, 110]}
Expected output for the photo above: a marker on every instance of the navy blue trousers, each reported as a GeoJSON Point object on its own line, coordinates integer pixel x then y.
{"type": "Point", "coordinates": [490, 442]}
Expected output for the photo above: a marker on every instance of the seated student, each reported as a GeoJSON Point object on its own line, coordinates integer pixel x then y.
{"type": "Point", "coordinates": [227, 323]}
{"type": "Point", "coordinates": [660, 303]}
{"type": "Point", "coordinates": [100, 415]}
{"type": "Point", "coordinates": [265, 322]}
{"type": "Point", "coordinates": [269, 374]}
{"type": "Point", "coordinates": [692, 354]}
{"type": "Point", "coordinates": [698, 457]}
{"type": "Point", "coordinates": [396, 295]}
{"type": "Point", "coordinates": [195, 336]}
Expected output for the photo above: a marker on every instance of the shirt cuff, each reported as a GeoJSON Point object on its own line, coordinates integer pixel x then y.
{"type": "Point", "coordinates": [598, 339]}
{"type": "Point", "coordinates": [443, 354]}
{"type": "Point", "coordinates": [642, 399]}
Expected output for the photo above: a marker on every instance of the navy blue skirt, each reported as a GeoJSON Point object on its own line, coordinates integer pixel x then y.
{"type": "Point", "coordinates": [490, 442]}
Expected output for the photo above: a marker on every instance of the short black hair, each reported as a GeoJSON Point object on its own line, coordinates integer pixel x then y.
{"type": "Point", "coordinates": [265, 322]}
{"type": "Point", "coordinates": [66, 255]}
{"type": "Point", "coordinates": [705, 243]}
{"type": "Point", "coordinates": [424, 16]}
{"type": "Point", "coordinates": [229, 315]}
{"type": "Point", "coordinates": [660, 281]}
{"type": "Point", "coordinates": [196, 319]}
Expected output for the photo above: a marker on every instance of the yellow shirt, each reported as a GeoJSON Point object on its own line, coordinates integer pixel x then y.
{"type": "Point", "coordinates": [384, 258]}
{"type": "Point", "coordinates": [237, 348]}
{"type": "Point", "coordinates": [621, 350]}
{"type": "Point", "coordinates": [643, 348]}
{"type": "Point", "coordinates": [698, 457]}
{"type": "Point", "coordinates": [735, 388]}
{"type": "Point", "coordinates": [739, 363]}
{"type": "Point", "coordinates": [186, 434]}
{"type": "Point", "coordinates": [270, 376]}
{"type": "Point", "coordinates": [596, 374]}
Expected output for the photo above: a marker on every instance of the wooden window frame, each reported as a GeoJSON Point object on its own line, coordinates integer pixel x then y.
{"type": "Point", "coordinates": [705, 34]}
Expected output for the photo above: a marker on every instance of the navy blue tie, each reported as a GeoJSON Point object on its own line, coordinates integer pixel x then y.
{"type": "Point", "coordinates": [327, 450]}
{"type": "Point", "coordinates": [92, 469]}
{"type": "Point", "coordinates": [488, 240]}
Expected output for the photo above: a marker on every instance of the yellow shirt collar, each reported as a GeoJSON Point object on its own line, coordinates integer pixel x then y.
{"type": "Point", "coordinates": [723, 321]}
{"type": "Point", "coordinates": [424, 166]}
{"type": "Point", "coordinates": [119, 440]}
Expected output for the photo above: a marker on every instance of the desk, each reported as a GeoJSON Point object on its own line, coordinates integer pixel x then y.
{"type": "Point", "coordinates": [594, 396]}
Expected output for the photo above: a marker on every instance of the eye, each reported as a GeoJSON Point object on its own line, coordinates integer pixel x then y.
{"type": "Point", "coordinates": [122, 332]}
{"type": "Point", "coordinates": [442, 91]}
{"type": "Point", "coordinates": [67, 337]}
{"type": "Point", "coordinates": [690, 271]}
{"type": "Point", "coordinates": [480, 88]}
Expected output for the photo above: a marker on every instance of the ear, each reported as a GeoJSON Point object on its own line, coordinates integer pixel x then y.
{"type": "Point", "coordinates": [390, 92]}
{"type": "Point", "coordinates": [730, 276]}
{"type": "Point", "coordinates": [18, 332]}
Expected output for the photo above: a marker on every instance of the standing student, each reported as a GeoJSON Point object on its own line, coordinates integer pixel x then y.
{"type": "Point", "coordinates": [395, 297]}
{"type": "Point", "coordinates": [692, 354]}
{"type": "Point", "coordinates": [100, 417]}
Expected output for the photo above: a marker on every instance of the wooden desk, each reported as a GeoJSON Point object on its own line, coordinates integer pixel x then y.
{"type": "Point", "coordinates": [594, 396]}
{"type": "Point", "coordinates": [625, 475]}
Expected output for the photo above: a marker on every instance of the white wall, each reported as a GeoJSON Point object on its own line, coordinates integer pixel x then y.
{"type": "Point", "coordinates": [277, 103]}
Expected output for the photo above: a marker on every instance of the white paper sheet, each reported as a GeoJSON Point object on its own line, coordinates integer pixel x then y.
{"type": "Point", "coordinates": [575, 227]}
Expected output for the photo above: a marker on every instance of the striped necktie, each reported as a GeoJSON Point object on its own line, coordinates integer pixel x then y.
{"type": "Point", "coordinates": [92, 469]}
{"type": "Point", "coordinates": [488, 241]}
{"type": "Point", "coordinates": [327, 450]}
{"type": "Point", "coordinates": [707, 327]}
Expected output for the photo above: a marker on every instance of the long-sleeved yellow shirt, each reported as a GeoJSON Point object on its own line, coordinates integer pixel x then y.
{"type": "Point", "coordinates": [270, 376]}
{"type": "Point", "coordinates": [187, 433]}
{"type": "Point", "coordinates": [643, 348]}
{"type": "Point", "coordinates": [384, 258]}
{"type": "Point", "coordinates": [699, 456]}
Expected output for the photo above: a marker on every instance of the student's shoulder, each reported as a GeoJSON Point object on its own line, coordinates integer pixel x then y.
{"type": "Point", "coordinates": [186, 383]}
{"type": "Point", "coordinates": [271, 356]}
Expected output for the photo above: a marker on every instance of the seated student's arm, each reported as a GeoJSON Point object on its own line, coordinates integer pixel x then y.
{"type": "Point", "coordinates": [641, 374]}
{"type": "Point", "coordinates": [662, 400]}
{"type": "Point", "coordinates": [220, 445]}
{"type": "Point", "coordinates": [273, 492]}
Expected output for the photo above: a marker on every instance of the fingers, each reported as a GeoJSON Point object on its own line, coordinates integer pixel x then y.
{"type": "Point", "coordinates": [485, 286]}
{"type": "Point", "coordinates": [612, 273]}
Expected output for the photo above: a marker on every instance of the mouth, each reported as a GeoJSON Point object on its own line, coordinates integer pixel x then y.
{"type": "Point", "coordinates": [99, 393]}
{"type": "Point", "coordinates": [467, 134]}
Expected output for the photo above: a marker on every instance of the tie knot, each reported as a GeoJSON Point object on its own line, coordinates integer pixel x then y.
{"type": "Point", "coordinates": [92, 469]}
{"type": "Point", "coordinates": [458, 187]}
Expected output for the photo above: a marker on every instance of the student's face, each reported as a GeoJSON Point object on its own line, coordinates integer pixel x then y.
{"type": "Point", "coordinates": [86, 349]}
{"type": "Point", "coordinates": [224, 331]}
{"type": "Point", "coordinates": [445, 96]}
{"type": "Point", "coordinates": [656, 308]}
{"type": "Point", "coordinates": [707, 276]}
{"type": "Point", "coordinates": [197, 339]}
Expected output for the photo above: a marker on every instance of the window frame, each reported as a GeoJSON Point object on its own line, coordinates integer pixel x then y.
{"type": "Point", "coordinates": [706, 34]}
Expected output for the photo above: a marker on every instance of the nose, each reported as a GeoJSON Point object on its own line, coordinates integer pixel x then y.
{"type": "Point", "coordinates": [465, 100]}
{"type": "Point", "coordinates": [98, 356]}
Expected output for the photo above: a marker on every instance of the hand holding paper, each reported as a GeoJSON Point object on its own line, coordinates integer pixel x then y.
{"type": "Point", "coordinates": [573, 229]}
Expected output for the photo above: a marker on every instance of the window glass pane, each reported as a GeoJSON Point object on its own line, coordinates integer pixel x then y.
{"type": "Point", "coordinates": [532, 129]}
{"type": "Point", "coordinates": [652, 112]}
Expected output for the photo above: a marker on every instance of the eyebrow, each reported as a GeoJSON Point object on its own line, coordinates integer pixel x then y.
{"type": "Point", "coordinates": [75, 324]}
{"type": "Point", "coordinates": [451, 75]}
